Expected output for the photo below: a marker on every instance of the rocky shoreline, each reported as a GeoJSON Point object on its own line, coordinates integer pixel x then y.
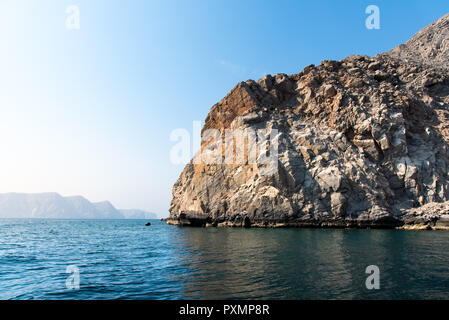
{"type": "Point", "coordinates": [434, 216]}
{"type": "Point", "coordinates": [245, 222]}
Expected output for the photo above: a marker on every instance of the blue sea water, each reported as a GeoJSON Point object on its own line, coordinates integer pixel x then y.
{"type": "Point", "coordinates": [124, 259]}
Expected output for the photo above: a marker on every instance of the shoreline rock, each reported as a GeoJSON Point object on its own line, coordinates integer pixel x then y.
{"type": "Point", "coordinates": [335, 224]}
{"type": "Point", "coordinates": [433, 216]}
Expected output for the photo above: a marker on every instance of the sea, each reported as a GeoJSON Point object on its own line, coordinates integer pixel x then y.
{"type": "Point", "coordinates": [124, 259]}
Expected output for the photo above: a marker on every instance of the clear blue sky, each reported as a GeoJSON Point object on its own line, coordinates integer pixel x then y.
{"type": "Point", "coordinates": [90, 111]}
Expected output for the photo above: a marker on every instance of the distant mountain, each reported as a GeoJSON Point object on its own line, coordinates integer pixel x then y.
{"type": "Point", "coordinates": [138, 214]}
{"type": "Point", "coordinates": [55, 206]}
{"type": "Point", "coordinates": [108, 210]}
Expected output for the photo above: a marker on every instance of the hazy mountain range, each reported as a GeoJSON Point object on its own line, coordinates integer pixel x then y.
{"type": "Point", "coordinates": [55, 206]}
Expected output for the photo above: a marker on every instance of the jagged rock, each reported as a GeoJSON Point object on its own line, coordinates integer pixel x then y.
{"type": "Point", "coordinates": [329, 91]}
{"type": "Point", "coordinates": [362, 142]}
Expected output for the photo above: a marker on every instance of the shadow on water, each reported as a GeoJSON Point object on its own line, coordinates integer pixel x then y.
{"type": "Point", "coordinates": [315, 264]}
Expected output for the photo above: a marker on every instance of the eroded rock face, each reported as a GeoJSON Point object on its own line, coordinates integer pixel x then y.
{"type": "Point", "coordinates": [361, 142]}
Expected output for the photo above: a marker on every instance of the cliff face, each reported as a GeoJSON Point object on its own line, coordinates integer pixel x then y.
{"type": "Point", "coordinates": [360, 142]}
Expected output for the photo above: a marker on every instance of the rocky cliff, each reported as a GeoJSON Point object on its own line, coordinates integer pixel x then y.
{"type": "Point", "coordinates": [361, 142]}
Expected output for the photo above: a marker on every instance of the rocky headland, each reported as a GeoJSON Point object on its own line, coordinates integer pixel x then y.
{"type": "Point", "coordinates": [362, 142]}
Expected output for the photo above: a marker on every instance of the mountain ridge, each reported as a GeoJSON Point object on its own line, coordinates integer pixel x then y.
{"type": "Point", "coordinates": [51, 205]}
{"type": "Point", "coordinates": [429, 46]}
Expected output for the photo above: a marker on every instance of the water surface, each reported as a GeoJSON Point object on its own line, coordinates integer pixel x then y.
{"type": "Point", "coordinates": [123, 259]}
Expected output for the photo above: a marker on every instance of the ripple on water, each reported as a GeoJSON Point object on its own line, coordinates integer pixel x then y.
{"type": "Point", "coordinates": [126, 260]}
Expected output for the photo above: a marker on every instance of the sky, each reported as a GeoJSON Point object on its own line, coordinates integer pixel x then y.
{"type": "Point", "coordinates": [89, 111]}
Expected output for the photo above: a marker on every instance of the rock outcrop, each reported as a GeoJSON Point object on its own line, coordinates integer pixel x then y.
{"type": "Point", "coordinates": [361, 142]}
